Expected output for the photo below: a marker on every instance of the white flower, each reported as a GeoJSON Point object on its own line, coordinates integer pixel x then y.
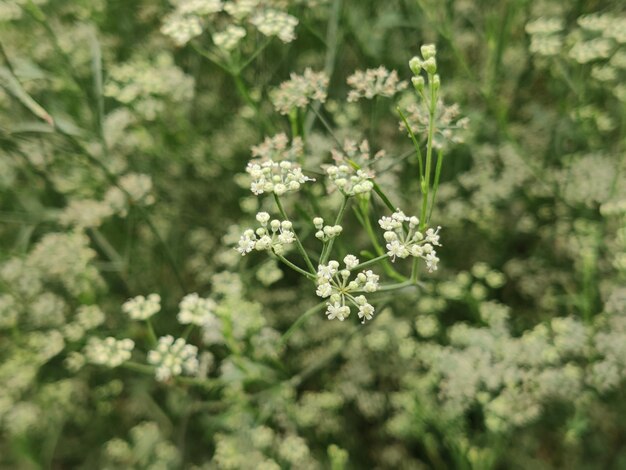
{"type": "Point", "coordinates": [195, 310]}
{"type": "Point", "coordinates": [335, 283]}
{"type": "Point", "coordinates": [374, 82]}
{"type": "Point", "coordinates": [324, 290]}
{"type": "Point", "coordinates": [263, 218]}
{"type": "Point", "coordinates": [366, 312]}
{"type": "Point", "coordinates": [269, 176]}
{"type": "Point", "coordinates": [351, 261]}
{"type": "Point", "coordinates": [275, 23]}
{"type": "Point", "coordinates": [142, 308]}
{"type": "Point", "coordinates": [108, 352]}
{"type": "Point", "coordinates": [173, 357]}
{"type": "Point", "coordinates": [228, 39]}
{"type": "Point", "coordinates": [350, 181]}
{"type": "Point", "coordinates": [181, 28]}
{"type": "Point", "coordinates": [405, 241]}
{"type": "Point", "coordinates": [275, 237]}
{"type": "Point", "coordinates": [337, 310]}
{"type": "Point", "coordinates": [299, 91]}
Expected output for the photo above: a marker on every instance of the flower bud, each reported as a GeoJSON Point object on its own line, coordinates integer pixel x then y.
{"type": "Point", "coordinates": [418, 83]}
{"type": "Point", "coordinates": [430, 66]}
{"type": "Point", "coordinates": [415, 64]}
{"type": "Point", "coordinates": [428, 51]}
{"type": "Point", "coordinates": [436, 82]}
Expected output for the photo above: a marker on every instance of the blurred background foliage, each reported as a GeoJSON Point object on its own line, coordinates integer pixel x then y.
{"type": "Point", "coordinates": [122, 158]}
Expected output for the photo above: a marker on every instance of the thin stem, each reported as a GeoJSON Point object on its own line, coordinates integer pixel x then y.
{"type": "Point", "coordinates": [254, 55]}
{"type": "Point", "coordinates": [342, 210]}
{"type": "Point", "coordinates": [296, 268]}
{"type": "Point", "coordinates": [416, 144]}
{"type": "Point", "coordinates": [389, 270]}
{"type": "Point", "coordinates": [188, 331]}
{"type": "Point", "coordinates": [436, 182]}
{"type": "Point", "coordinates": [332, 43]}
{"type": "Point", "coordinates": [429, 152]}
{"type": "Point", "coordinates": [151, 333]}
{"type": "Point", "coordinates": [299, 322]}
{"type": "Point", "coordinates": [370, 262]}
{"type": "Point", "coordinates": [301, 249]}
{"type": "Point", "coordinates": [397, 286]}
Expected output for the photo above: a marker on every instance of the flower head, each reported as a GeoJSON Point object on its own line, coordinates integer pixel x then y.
{"type": "Point", "coordinates": [335, 285]}
{"type": "Point", "coordinates": [173, 357]}
{"type": "Point", "coordinates": [403, 241]}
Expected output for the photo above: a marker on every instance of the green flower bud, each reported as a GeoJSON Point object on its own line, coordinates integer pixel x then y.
{"type": "Point", "coordinates": [430, 65]}
{"type": "Point", "coordinates": [436, 82]}
{"type": "Point", "coordinates": [428, 51]}
{"type": "Point", "coordinates": [418, 83]}
{"type": "Point", "coordinates": [415, 64]}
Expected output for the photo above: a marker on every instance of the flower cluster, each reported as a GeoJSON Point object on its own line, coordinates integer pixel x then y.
{"type": "Point", "coordinates": [173, 357]}
{"type": "Point", "coordinates": [184, 23]}
{"type": "Point", "coordinates": [142, 308]}
{"type": "Point", "coordinates": [195, 310]}
{"type": "Point", "coordinates": [374, 82]}
{"type": "Point", "coordinates": [449, 126]}
{"type": "Point", "coordinates": [356, 152]}
{"type": "Point", "coordinates": [545, 39]}
{"type": "Point", "coordinates": [326, 232]}
{"type": "Point", "coordinates": [300, 90]}
{"type": "Point", "coordinates": [145, 83]}
{"type": "Point", "coordinates": [335, 284]}
{"type": "Point", "coordinates": [402, 243]}
{"type": "Point", "coordinates": [274, 238]}
{"type": "Point", "coordinates": [228, 39]}
{"type": "Point", "coordinates": [275, 23]}
{"type": "Point", "coordinates": [108, 352]}
{"type": "Point", "coordinates": [350, 181]}
{"type": "Point", "coordinates": [277, 148]}
{"type": "Point", "coordinates": [275, 177]}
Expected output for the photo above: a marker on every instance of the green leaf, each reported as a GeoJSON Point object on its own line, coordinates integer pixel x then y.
{"type": "Point", "coordinates": [14, 87]}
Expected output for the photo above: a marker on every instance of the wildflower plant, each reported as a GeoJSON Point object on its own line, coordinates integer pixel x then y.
{"type": "Point", "coordinates": [201, 266]}
{"type": "Point", "coordinates": [353, 182]}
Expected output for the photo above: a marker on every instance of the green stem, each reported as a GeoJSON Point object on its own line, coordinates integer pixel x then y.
{"type": "Point", "coordinates": [188, 331]}
{"type": "Point", "coordinates": [342, 210]}
{"type": "Point", "coordinates": [389, 269]}
{"type": "Point", "coordinates": [400, 285]}
{"type": "Point", "coordinates": [436, 183]}
{"type": "Point", "coordinates": [151, 333]}
{"type": "Point", "coordinates": [429, 152]}
{"type": "Point", "coordinates": [332, 43]}
{"type": "Point", "coordinates": [416, 144]}
{"type": "Point", "coordinates": [301, 249]}
{"type": "Point", "coordinates": [299, 322]}
{"type": "Point", "coordinates": [296, 268]}
{"type": "Point", "coordinates": [370, 262]}
{"type": "Point", "coordinates": [293, 121]}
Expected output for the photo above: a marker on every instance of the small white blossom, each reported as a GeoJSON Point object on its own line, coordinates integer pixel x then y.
{"type": "Point", "coordinates": [403, 242]}
{"type": "Point", "coordinates": [199, 7]}
{"type": "Point", "coordinates": [349, 181]}
{"type": "Point", "coordinates": [335, 284]}
{"type": "Point", "coordinates": [108, 352]}
{"type": "Point", "coordinates": [173, 357]}
{"type": "Point", "coordinates": [351, 261]}
{"type": "Point", "coordinates": [275, 23]}
{"type": "Point", "coordinates": [228, 39]}
{"type": "Point", "coordinates": [142, 308]}
{"type": "Point", "coordinates": [374, 82]}
{"type": "Point", "coordinates": [195, 310]}
{"type": "Point", "coordinates": [300, 90]}
{"type": "Point", "coordinates": [273, 236]}
{"type": "Point", "coordinates": [275, 177]}
{"type": "Point", "coordinates": [181, 28]}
